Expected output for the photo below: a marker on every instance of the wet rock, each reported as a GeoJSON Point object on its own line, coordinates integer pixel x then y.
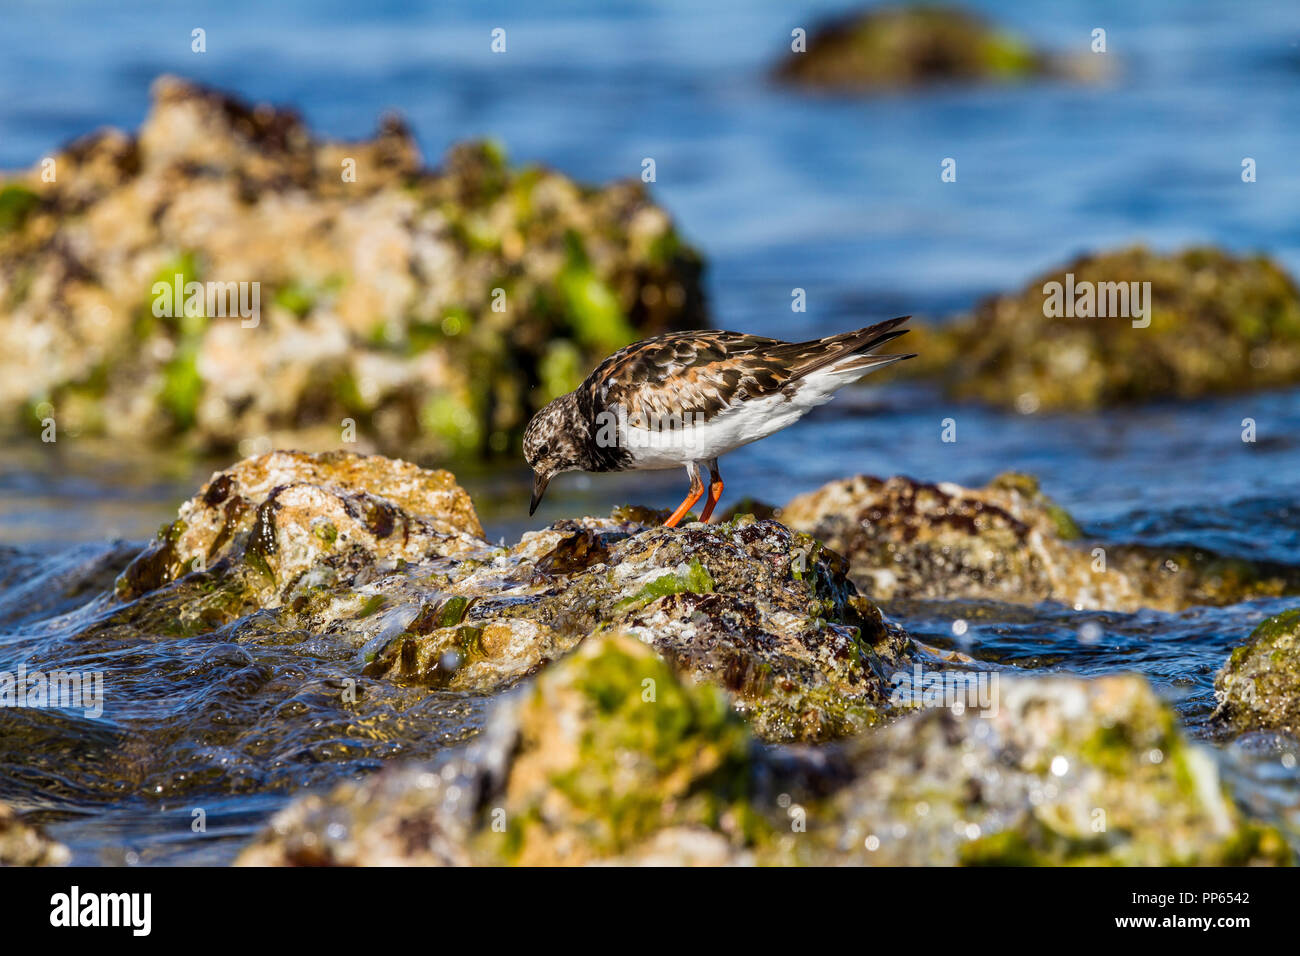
{"type": "Point", "coordinates": [283, 513]}
{"type": "Point", "coordinates": [917, 45]}
{"type": "Point", "coordinates": [1060, 771]}
{"type": "Point", "coordinates": [606, 753]}
{"type": "Point", "coordinates": [1009, 542]}
{"type": "Point", "coordinates": [762, 611]}
{"type": "Point", "coordinates": [1219, 324]}
{"type": "Point", "coordinates": [388, 559]}
{"type": "Point", "coordinates": [611, 756]}
{"type": "Point", "coordinates": [425, 310]}
{"type": "Point", "coordinates": [1259, 686]}
{"type": "Point", "coordinates": [23, 844]}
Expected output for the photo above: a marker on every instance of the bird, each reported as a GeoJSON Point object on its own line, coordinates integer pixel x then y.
{"type": "Point", "coordinates": [687, 398]}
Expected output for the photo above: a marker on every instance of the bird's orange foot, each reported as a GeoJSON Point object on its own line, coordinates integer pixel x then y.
{"type": "Point", "coordinates": [715, 492]}
{"type": "Point", "coordinates": [697, 489]}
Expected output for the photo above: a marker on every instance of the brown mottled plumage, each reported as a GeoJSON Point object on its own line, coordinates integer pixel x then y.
{"type": "Point", "coordinates": [727, 388]}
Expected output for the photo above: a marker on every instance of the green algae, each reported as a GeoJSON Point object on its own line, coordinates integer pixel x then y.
{"type": "Point", "coordinates": [1259, 685]}
{"type": "Point", "coordinates": [372, 605]}
{"type": "Point", "coordinates": [584, 269]}
{"type": "Point", "coordinates": [694, 579]}
{"type": "Point", "coordinates": [652, 751]}
{"type": "Point", "coordinates": [591, 307]}
{"type": "Point", "coordinates": [913, 45]}
{"type": "Point", "coordinates": [1215, 323]}
{"type": "Point", "coordinates": [17, 202]}
{"type": "Point", "coordinates": [296, 297]}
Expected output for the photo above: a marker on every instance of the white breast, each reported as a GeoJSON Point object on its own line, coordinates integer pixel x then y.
{"type": "Point", "coordinates": [671, 447]}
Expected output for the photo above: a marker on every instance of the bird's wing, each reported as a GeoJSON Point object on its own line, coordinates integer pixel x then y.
{"type": "Point", "coordinates": [706, 373]}
{"type": "Point", "coordinates": [686, 373]}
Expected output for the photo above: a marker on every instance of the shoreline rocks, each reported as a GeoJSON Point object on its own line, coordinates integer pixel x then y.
{"type": "Point", "coordinates": [898, 47]}
{"type": "Point", "coordinates": [1009, 542]}
{"type": "Point", "coordinates": [388, 558]}
{"type": "Point", "coordinates": [607, 690]}
{"type": "Point", "coordinates": [1219, 324]}
{"type": "Point", "coordinates": [584, 766]}
{"type": "Point", "coordinates": [337, 287]}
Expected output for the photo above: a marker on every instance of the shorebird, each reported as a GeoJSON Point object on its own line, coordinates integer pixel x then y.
{"type": "Point", "coordinates": [687, 398]}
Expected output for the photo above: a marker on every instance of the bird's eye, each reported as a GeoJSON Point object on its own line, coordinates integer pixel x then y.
{"type": "Point", "coordinates": [543, 450]}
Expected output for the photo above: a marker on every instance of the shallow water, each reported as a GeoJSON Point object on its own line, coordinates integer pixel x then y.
{"type": "Point", "coordinates": [840, 197]}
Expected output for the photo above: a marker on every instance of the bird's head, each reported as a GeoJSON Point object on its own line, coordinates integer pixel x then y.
{"type": "Point", "coordinates": [553, 442]}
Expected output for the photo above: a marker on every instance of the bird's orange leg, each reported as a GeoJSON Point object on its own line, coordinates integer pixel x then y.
{"type": "Point", "coordinates": [697, 489]}
{"type": "Point", "coordinates": [715, 491]}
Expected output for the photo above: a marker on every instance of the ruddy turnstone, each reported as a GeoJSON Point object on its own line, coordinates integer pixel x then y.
{"type": "Point", "coordinates": [686, 398]}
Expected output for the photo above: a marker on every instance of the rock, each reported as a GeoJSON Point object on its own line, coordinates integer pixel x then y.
{"type": "Point", "coordinates": [762, 611]}
{"type": "Point", "coordinates": [607, 752]}
{"type": "Point", "coordinates": [428, 311]}
{"type": "Point", "coordinates": [282, 513]}
{"type": "Point", "coordinates": [23, 844]}
{"type": "Point", "coordinates": [1219, 324]}
{"type": "Point", "coordinates": [1259, 686]}
{"type": "Point", "coordinates": [388, 560]}
{"type": "Point", "coordinates": [611, 756]}
{"type": "Point", "coordinates": [916, 45]}
{"type": "Point", "coordinates": [1060, 771]}
{"type": "Point", "coordinates": [1009, 542]}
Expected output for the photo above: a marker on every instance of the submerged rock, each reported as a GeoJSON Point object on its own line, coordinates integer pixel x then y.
{"type": "Point", "coordinates": [388, 559]}
{"type": "Point", "coordinates": [916, 45]}
{"type": "Point", "coordinates": [1218, 324]}
{"type": "Point", "coordinates": [425, 310]}
{"type": "Point", "coordinates": [1259, 686]}
{"type": "Point", "coordinates": [23, 844]}
{"type": "Point", "coordinates": [1008, 541]}
{"type": "Point", "coordinates": [611, 756]}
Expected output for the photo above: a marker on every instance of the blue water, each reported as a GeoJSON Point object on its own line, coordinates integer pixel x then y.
{"type": "Point", "coordinates": [839, 196]}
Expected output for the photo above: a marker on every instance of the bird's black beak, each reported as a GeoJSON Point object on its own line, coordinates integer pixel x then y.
{"type": "Point", "coordinates": [540, 482]}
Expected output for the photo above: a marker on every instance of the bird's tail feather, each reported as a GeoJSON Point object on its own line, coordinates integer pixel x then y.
{"type": "Point", "coordinates": [834, 350]}
{"type": "Point", "coordinates": [869, 363]}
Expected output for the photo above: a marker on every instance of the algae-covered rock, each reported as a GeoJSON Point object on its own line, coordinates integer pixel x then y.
{"type": "Point", "coordinates": [760, 610]}
{"type": "Point", "coordinates": [282, 513]}
{"type": "Point", "coordinates": [613, 748]}
{"type": "Point", "coordinates": [337, 288]}
{"type": "Point", "coordinates": [1060, 771]}
{"type": "Point", "coordinates": [612, 756]}
{"type": "Point", "coordinates": [608, 752]}
{"type": "Point", "coordinates": [1211, 323]}
{"type": "Point", "coordinates": [914, 45]}
{"type": "Point", "coordinates": [1008, 541]}
{"type": "Point", "coordinates": [24, 844]}
{"type": "Point", "coordinates": [388, 560]}
{"type": "Point", "coordinates": [1259, 686]}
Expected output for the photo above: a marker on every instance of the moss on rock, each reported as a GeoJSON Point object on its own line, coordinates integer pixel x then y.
{"type": "Point", "coordinates": [422, 309]}
{"type": "Point", "coordinates": [919, 44]}
{"type": "Point", "coordinates": [389, 559]}
{"type": "Point", "coordinates": [1008, 541]}
{"type": "Point", "coordinates": [1057, 771]}
{"type": "Point", "coordinates": [1218, 324]}
{"type": "Point", "coordinates": [612, 756]}
{"type": "Point", "coordinates": [1259, 685]}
